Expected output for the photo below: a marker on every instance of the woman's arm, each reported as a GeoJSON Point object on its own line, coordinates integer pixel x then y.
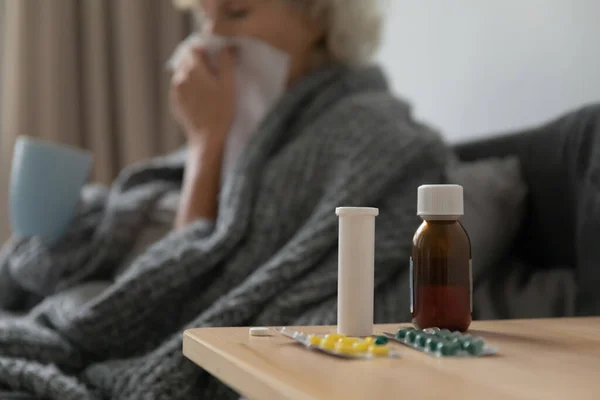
{"type": "Point", "coordinates": [203, 102]}
{"type": "Point", "coordinates": [200, 192]}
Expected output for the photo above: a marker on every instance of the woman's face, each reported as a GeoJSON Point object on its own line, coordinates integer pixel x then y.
{"type": "Point", "coordinates": [283, 24]}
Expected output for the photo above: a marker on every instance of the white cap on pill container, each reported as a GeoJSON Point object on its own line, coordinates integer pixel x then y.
{"type": "Point", "coordinates": [356, 268]}
{"type": "Point", "coordinates": [440, 200]}
{"type": "Point", "coordinates": [259, 331]}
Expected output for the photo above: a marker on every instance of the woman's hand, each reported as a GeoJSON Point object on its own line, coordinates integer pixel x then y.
{"type": "Point", "coordinates": [203, 100]}
{"type": "Point", "coordinates": [203, 96]}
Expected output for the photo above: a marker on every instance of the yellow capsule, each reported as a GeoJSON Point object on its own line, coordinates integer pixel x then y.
{"type": "Point", "coordinates": [348, 340]}
{"type": "Point", "coordinates": [327, 344]}
{"type": "Point", "coordinates": [369, 340]}
{"type": "Point", "coordinates": [344, 348]}
{"type": "Point", "coordinates": [381, 350]}
{"type": "Point", "coordinates": [361, 347]}
{"type": "Point", "coordinates": [334, 336]}
{"type": "Point", "coordinates": [315, 340]}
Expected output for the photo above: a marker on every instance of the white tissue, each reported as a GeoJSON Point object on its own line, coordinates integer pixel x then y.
{"type": "Point", "coordinates": [261, 77]}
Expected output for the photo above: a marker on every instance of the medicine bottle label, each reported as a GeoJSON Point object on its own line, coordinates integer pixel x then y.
{"type": "Point", "coordinates": [411, 283]}
{"type": "Point", "coordinates": [471, 284]}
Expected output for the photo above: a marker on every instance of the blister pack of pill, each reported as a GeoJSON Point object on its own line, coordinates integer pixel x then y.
{"type": "Point", "coordinates": [343, 346]}
{"type": "Point", "coordinates": [442, 342]}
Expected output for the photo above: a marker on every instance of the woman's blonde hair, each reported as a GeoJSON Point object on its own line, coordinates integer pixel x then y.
{"type": "Point", "coordinates": [353, 27]}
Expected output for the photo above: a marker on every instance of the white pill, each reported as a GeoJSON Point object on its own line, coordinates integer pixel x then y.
{"type": "Point", "coordinates": [259, 331]}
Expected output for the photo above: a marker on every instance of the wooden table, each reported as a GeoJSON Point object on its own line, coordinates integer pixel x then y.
{"type": "Point", "coordinates": [538, 359]}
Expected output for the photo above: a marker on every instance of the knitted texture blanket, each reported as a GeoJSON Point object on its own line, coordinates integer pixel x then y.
{"type": "Point", "coordinates": [338, 138]}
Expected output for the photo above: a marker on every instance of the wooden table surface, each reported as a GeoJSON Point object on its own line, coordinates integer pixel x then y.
{"type": "Point", "coordinates": [538, 359]}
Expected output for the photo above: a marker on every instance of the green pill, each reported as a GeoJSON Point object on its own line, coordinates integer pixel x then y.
{"type": "Point", "coordinates": [401, 334]}
{"type": "Point", "coordinates": [410, 337]}
{"type": "Point", "coordinates": [420, 339]}
{"type": "Point", "coordinates": [453, 346]}
{"type": "Point", "coordinates": [455, 335]}
{"type": "Point", "coordinates": [431, 343]}
{"type": "Point", "coordinates": [475, 346]}
{"type": "Point", "coordinates": [381, 340]}
{"type": "Point", "coordinates": [465, 341]}
{"type": "Point", "coordinates": [444, 333]}
{"type": "Point", "coordinates": [446, 348]}
{"type": "Point", "coordinates": [443, 349]}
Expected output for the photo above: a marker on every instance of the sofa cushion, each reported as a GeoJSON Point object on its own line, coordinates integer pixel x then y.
{"type": "Point", "coordinates": [495, 197]}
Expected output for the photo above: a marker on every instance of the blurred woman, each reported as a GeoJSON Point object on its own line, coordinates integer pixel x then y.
{"type": "Point", "coordinates": [316, 36]}
{"type": "Point", "coordinates": [254, 209]}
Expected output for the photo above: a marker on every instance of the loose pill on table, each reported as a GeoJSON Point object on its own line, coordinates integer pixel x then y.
{"type": "Point", "coordinates": [259, 331]}
{"type": "Point", "coordinates": [369, 340]}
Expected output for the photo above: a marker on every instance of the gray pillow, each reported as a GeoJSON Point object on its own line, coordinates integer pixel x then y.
{"type": "Point", "coordinates": [495, 198]}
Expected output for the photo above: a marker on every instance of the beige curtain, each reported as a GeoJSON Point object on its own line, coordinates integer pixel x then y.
{"type": "Point", "coordinates": [89, 73]}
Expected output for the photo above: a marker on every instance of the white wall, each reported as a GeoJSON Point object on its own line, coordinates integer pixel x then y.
{"type": "Point", "coordinates": [473, 67]}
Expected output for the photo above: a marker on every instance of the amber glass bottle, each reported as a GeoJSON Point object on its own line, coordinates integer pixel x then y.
{"type": "Point", "coordinates": [441, 280]}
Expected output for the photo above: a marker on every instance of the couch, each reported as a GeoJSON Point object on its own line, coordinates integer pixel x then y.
{"type": "Point", "coordinates": [560, 163]}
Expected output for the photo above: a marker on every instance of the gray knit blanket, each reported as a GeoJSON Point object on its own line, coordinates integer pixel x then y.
{"type": "Point", "coordinates": [338, 138]}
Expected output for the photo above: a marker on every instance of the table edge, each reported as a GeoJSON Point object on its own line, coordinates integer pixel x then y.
{"type": "Point", "coordinates": [261, 385]}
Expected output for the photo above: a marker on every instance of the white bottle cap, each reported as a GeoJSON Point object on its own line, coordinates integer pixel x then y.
{"type": "Point", "coordinates": [440, 200]}
{"type": "Point", "coordinates": [357, 211]}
